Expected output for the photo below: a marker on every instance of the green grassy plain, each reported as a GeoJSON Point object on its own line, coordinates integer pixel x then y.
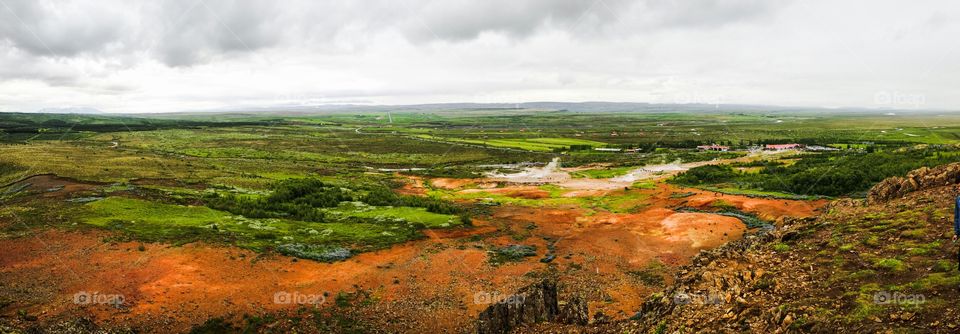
{"type": "Point", "coordinates": [176, 159]}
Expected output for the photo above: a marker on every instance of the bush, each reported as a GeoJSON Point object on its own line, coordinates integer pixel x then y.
{"type": "Point", "coordinates": [315, 252]}
{"type": "Point", "coordinates": [512, 253]}
{"type": "Point", "coordinates": [298, 199]}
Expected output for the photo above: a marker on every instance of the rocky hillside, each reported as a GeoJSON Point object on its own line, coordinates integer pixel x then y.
{"type": "Point", "coordinates": [882, 265]}
{"type": "Point", "coordinates": [919, 179]}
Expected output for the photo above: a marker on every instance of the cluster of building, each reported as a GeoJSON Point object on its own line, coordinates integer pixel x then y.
{"type": "Point", "coordinates": [721, 148]}
{"type": "Point", "coordinates": [718, 148]}
{"type": "Point", "coordinates": [782, 147]}
{"type": "Point", "coordinates": [769, 147]}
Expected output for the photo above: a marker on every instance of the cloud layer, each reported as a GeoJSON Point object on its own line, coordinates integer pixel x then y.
{"type": "Point", "coordinates": [140, 56]}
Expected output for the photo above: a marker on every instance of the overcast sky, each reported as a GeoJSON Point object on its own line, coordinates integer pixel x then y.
{"type": "Point", "coordinates": [161, 56]}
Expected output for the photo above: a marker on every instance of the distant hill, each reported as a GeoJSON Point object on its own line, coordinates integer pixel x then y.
{"type": "Point", "coordinates": [70, 110]}
{"type": "Point", "coordinates": [590, 106]}
{"type": "Point", "coordinates": [535, 106]}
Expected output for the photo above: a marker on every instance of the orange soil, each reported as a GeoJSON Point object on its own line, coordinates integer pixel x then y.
{"type": "Point", "coordinates": [608, 245]}
{"type": "Point", "coordinates": [448, 183]}
{"type": "Point", "coordinates": [413, 186]}
{"type": "Point", "coordinates": [173, 288]}
{"type": "Point", "coordinates": [192, 283]}
{"type": "Point", "coordinates": [46, 184]}
{"type": "Point", "coordinates": [769, 209]}
{"type": "Point", "coordinates": [586, 193]}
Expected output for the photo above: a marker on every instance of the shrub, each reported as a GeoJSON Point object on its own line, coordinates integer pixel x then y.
{"type": "Point", "coordinates": [512, 253]}
{"type": "Point", "coordinates": [315, 252]}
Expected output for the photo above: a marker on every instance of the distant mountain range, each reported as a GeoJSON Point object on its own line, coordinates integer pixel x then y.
{"type": "Point", "coordinates": [544, 106]}
{"type": "Point", "coordinates": [532, 106]}
{"type": "Point", "coordinates": [71, 110]}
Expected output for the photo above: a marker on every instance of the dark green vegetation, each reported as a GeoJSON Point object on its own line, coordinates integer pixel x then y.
{"type": "Point", "coordinates": [722, 208]}
{"type": "Point", "coordinates": [842, 173]}
{"type": "Point", "coordinates": [304, 199]}
{"type": "Point", "coordinates": [511, 253]}
{"type": "Point", "coordinates": [19, 126]}
{"type": "Point", "coordinates": [298, 199]}
{"type": "Point", "coordinates": [652, 157]}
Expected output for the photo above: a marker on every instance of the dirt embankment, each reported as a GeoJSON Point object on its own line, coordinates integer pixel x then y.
{"type": "Point", "coordinates": [50, 186]}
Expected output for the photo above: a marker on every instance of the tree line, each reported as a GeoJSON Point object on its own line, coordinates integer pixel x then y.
{"type": "Point", "coordinates": [828, 174]}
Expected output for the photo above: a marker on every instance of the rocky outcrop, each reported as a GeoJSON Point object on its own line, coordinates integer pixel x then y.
{"type": "Point", "coordinates": [534, 304]}
{"type": "Point", "coordinates": [919, 179]}
{"type": "Point", "coordinates": [721, 288]}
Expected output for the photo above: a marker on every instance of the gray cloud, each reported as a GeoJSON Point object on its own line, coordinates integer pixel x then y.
{"type": "Point", "coordinates": [60, 29]}
{"type": "Point", "coordinates": [458, 20]}
{"type": "Point", "coordinates": [706, 13]}
{"type": "Point", "coordinates": [198, 31]}
{"type": "Point", "coordinates": [217, 51]}
{"type": "Point", "coordinates": [186, 32]}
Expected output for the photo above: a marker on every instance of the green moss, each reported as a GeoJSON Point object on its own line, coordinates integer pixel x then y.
{"type": "Point", "coordinates": [416, 215]}
{"type": "Point", "coordinates": [644, 185]}
{"type": "Point", "coordinates": [872, 241]}
{"type": "Point", "coordinates": [942, 266]}
{"type": "Point", "coordinates": [781, 247]}
{"type": "Point", "coordinates": [865, 307]}
{"type": "Point", "coordinates": [863, 274]}
{"type": "Point", "coordinates": [723, 205]}
{"type": "Point", "coordinates": [148, 217]}
{"type": "Point", "coordinates": [604, 173]}
{"type": "Point", "coordinates": [652, 275]}
{"type": "Point", "coordinates": [890, 265]}
{"type": "Point", "coordinates": [914, 233]}
{"type": "Point", "coordinates": [935, 281]}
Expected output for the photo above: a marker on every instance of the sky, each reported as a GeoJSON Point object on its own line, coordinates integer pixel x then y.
{"type": "Point", "coordinates": [187, 55]}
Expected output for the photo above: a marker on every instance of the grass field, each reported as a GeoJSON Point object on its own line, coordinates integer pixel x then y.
{"type": "Point", "coordinates": [156, 222]}
{"type": "Point", "coordinates": [528, 144]}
